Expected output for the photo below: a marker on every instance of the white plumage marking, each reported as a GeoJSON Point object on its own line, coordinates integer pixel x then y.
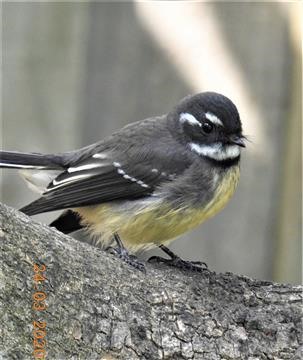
{"type": "Point", "coordinates": [84, 167]}
{"type": "Point", "coordinates": [154, 170]}
{"type": "Point", "coordinates": [139, 182]}
{"type": "Point", "coordinates": [128, 177]}
{"type": "Point", "coordinates": [213, 119]}
{"type": "Point", "coordinates": [17, 166]}
{"type": "Point", "coordinates": [100, 156]}
{"type": "Point", "coordinates": [70, 179]}
{"type": "Point", "coordinates": [189, 118]}
{"type": "Point", "coordinates": [121, 172]}
{"type": "Point", "coordinates": [116, 164]}
{"type": "Point", "coordinates": [216, 151]}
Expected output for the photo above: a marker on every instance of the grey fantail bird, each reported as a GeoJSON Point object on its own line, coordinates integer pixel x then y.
{"type": "Point", "coordinates": [146, 184]}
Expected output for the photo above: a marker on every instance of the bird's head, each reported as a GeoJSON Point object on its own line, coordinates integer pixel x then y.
{"type": "Point", "coordinates": [210, 126]}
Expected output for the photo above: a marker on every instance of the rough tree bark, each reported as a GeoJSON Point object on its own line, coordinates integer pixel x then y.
{"type": "Point", "coordinates": [99, 308]}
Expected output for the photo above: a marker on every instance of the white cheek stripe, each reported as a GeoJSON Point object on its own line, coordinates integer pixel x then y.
{"type": "Point", "coordinates": [216, 151]}
{"type": "Point", "coordinates": [189, 118]}
{"type": "Point", "coordinates": [213, 118]}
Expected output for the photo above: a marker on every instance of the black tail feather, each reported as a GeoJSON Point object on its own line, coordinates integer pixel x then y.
{"type": "Point", "coordinates": [34, 207]}
{"type": "Point", "coordinates": [67, 222]}
{"type": "Point", "coordinates": [19, 160]}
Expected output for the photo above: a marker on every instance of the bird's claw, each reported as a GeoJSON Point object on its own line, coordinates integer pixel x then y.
{"type": "Point", "coordinates": [195, 266]}
{"type": "Point", "coordinates": [124, 255]}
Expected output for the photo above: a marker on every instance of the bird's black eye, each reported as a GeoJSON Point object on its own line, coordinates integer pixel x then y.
{"type": "Point", "coordinates": [207, 127]}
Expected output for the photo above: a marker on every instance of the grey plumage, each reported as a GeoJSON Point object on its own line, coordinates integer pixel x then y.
{"type": "Point", "coordinates": [178, 159]}
{"type": "Point", "coordinates": [137, 148]}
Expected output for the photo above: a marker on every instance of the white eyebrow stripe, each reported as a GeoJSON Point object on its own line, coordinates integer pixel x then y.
{"type": "Point", "coordinates": [84, 167]}
{"type": "Point", "coordinates": [216, 151]}
{"type": "Point", "coordinates": [189, 118]}
{"type": "Point", "coordinates": [213, 118]}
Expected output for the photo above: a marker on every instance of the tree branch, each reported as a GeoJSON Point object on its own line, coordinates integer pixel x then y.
{"type": "Point", "coordinates": [100, 308]}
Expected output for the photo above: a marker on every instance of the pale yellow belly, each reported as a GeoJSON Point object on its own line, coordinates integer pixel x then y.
{"type": "Point", "coordinates": [156, 223]}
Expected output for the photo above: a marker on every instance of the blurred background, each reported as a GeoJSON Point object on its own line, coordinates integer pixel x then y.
{"type": "Point", "coordinates": [72, 73]}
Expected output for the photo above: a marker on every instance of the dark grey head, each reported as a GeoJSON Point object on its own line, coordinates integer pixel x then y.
{"type": "Point", "coordinates": [210, 125]}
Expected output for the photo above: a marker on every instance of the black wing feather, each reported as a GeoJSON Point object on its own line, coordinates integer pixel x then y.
{"type": "Point", "coordinates": [130, 164]}
{"type": "Point", "coordinates": [95, 189]}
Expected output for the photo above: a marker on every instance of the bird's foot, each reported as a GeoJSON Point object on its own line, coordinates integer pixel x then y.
{"type": "Point", "coordinates": [124, 255]}
{"type": "Point", "coordinates": [195, 266]}
{"type": "Point", "coordinates": [176, 261]}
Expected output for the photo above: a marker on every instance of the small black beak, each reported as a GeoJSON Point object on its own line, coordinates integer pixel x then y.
{"type": "Point", "coordinates": [237, 140]}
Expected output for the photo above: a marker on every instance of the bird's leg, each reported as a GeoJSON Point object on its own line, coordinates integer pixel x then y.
{"type": "Point", "coordinates": [176, 261]}
{"type": "Point", "coordinates": [124, 255]}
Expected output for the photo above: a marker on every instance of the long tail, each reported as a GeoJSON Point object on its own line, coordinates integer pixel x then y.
{"type": "Point", "coordinates": [38, 170]}
{"type": "Point", "coordinates": [19, 160]}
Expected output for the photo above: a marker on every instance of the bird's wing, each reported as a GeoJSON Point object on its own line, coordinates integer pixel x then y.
{"type": "Point", "coordinates": [104, 177]}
